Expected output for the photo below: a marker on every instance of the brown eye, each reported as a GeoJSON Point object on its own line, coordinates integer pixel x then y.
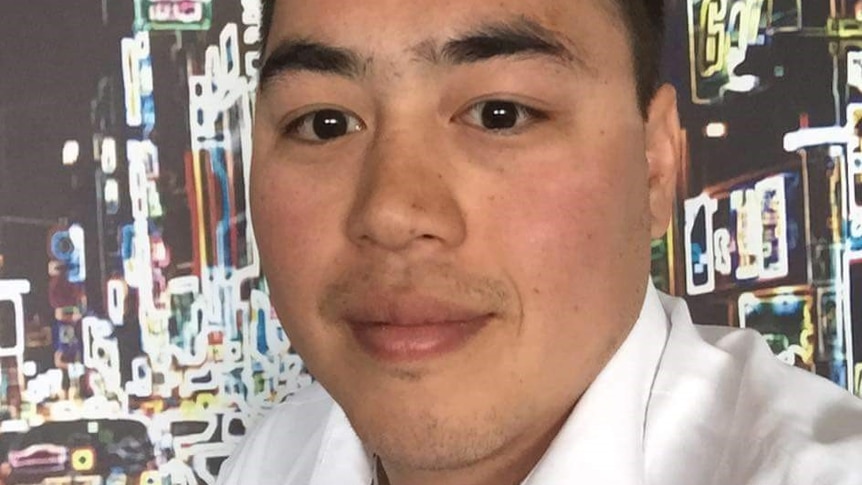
{"type": "Point", "coordinates": [499, 115]}
{"type": "Point", "coordinates": [502, 117]}
{"type": "Point", "coordinates": [324, 125]}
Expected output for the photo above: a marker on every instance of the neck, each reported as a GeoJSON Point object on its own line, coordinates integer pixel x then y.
{"type": "Point", "coordinates": [508, 466]}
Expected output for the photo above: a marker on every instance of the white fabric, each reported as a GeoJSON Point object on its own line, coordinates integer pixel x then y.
{"type": "Point", "coordinates": [676, 405]}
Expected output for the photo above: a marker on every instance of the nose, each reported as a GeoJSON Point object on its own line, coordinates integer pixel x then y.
{"type": "Point", "coordinates": [404, 199]}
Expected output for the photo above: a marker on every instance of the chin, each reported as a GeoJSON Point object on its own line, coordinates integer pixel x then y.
{"type": "Point", "coordinates": [422, 439]}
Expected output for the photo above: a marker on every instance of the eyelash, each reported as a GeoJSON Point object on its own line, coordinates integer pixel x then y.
{"type": "Point", "coordinates": [292, 128]}
{"type": "Point", "coordinates": [532, 115]}
{"type": "Point", "coordinates": [523, 110]}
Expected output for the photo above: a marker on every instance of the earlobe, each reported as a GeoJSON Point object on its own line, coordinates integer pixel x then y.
{"type": "Point", "coordinates": [663, 153]}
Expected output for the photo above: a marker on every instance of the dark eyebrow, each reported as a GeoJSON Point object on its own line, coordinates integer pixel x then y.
{"type": "Point", "coordinates": [521, 36]}
{"type": "Point", "coordinates": [294, 55]}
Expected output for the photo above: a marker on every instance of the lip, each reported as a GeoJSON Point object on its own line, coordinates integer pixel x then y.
{"type": "Point", "coordinates": [405, 343]}
{"type": "Point", "coordinates": [415, 328]}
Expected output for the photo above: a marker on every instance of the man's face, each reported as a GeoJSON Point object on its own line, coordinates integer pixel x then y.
{"type": "Point", "coordinates": [453, 205]}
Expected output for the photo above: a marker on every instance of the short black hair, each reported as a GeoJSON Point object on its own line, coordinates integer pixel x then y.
{"type": "Point", "coordinates": [644, 21]}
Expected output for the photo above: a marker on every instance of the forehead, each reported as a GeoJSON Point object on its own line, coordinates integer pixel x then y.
{"type": "Point", "coordinates": [593, 29]}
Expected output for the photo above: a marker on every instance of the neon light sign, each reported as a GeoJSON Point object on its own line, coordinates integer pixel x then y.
{"type": "Point", "coordinates": [738, 236]}
{"type": "Point", "coordinates": [854, 165]}
{"type": "Point", "coordinates": [173, 14]}
{"type": "Point", "coordinates": [699, 275]}
{"type": "Point", "coordinates": [720, 33]}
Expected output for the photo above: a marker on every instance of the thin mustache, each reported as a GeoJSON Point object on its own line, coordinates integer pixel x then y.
{"type": "Point", "coordinates": [366, 288]}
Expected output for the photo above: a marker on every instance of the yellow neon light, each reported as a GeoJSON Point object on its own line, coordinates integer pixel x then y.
{"type": "Point", "coordinates": [83, 459]}
{"type": "Point", "coordinates": [199, 198]}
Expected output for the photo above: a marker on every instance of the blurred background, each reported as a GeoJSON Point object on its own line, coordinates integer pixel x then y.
{"type": "Point", "coordinates": [137, 341]}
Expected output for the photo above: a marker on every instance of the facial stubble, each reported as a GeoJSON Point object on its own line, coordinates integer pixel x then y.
{"type": "Point", "coordinates": [434, 437]}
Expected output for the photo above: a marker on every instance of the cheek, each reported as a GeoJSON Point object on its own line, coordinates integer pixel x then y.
{"type": "Point", "coordinates": [294, 230]}
{"type": "Point", "coordinates": [574, 214]}
{"type": "Point", "coordinates": [297, 245]}
{"type": "Point", "coordinates": [283, 219]}
{"type": "Point", "coordinates": [575, 243]}
{"type": "Point", "coordinates": [555, 228]}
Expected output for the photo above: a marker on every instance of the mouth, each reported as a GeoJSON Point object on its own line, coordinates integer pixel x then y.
{"type": "Point", "coordinates": [414, 329]}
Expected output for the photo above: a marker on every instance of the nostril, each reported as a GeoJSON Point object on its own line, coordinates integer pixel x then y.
{"type": "Point", "coordinates": [415, 234]}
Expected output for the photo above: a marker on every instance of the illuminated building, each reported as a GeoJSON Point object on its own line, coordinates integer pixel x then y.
{"type": "Point", "coordinates": [166, 322]}
{"type": "Point", "coordinates": [766, 232]}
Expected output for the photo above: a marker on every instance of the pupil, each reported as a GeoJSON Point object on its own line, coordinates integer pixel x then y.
{"type": "Point", "coordinates": [329, 123]}
{"type": "Point", "coordinates": [499, 115]}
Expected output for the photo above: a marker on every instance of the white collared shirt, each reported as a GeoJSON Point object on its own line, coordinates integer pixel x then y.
{"type": "Point", "coordinates": [676, 405]}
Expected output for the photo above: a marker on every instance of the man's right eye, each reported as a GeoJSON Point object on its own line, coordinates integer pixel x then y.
{"type": "Point", "coordinates": [323, 125]}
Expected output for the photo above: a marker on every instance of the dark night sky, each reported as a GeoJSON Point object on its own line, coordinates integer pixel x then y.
{"type": "Point", "coordinates": [53, 54]}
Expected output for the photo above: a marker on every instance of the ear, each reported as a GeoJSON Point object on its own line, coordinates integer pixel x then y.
{"type": "Point", "coordinates": [663, 153]}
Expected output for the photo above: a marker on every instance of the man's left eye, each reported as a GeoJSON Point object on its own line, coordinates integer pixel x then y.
{"type": "Point", "coordinates": [501, 116]}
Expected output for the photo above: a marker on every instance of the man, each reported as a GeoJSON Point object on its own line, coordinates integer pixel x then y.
{"type": "Point", "coordinates": [454, 202]}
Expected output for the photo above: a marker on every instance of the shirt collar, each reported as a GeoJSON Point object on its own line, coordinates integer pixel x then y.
{"type": "Point", "coordinates": [342, 458]}
{"type": "Point", "coordinates": [600, 442]}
